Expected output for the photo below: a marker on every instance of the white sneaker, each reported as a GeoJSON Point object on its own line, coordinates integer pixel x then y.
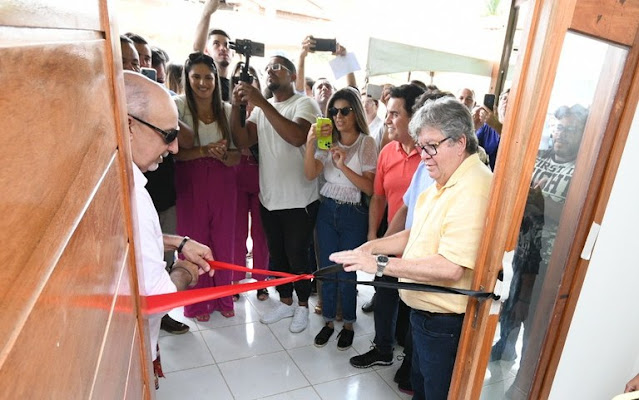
{"type": "Point", "coordinates": [280, 311]}
{"type": "Point", "coordinates": [300, 320]}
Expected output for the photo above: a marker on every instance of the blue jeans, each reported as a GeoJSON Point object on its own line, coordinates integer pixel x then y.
{"type": "Point", "coordinates": [339, 227]}
{"type": "Point", "coordinates": [435, 340]}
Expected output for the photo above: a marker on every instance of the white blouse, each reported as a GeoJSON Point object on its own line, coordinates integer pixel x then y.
{"type": "Point", "coordinates": [207, 133]}
{"type": "Point", "coordinates": [361, 157]}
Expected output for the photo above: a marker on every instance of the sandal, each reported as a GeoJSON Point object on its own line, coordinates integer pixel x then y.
{"type": "Point", "coordinates": [228, 313]}
{"type": "Point", "coordinates": [203, 317]}
{"type": "Point", "coordinates": [262, 294]}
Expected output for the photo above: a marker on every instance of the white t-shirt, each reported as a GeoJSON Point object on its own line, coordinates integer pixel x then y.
{"type": "Point", "coordinates": [155, 278]}
{"type": "Point", "coordinates": [361, 157]}
{"type": "Point", "coordinates": [207, 133]}
{"type": "Point", "coordinates": [282, 181]}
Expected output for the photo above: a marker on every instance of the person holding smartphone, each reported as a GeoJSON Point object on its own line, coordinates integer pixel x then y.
{"type": "Point", "coordinates": [289, 202]}
{"type": "Point", "coordinates": [322, 88]}
{"type": "Point", "coordinates": [348, 168]}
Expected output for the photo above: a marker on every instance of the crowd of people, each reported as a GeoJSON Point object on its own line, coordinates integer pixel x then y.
{"type": "Point", "coordinates": [403, 198]}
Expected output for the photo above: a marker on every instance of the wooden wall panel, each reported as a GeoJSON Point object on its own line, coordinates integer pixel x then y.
{"type": "Point", "coordinates": [83, 14]}
{"type": "Point", "coordinates": [135, 388]}
{"type": "Point", "coordinates": [69, 287]}
{"type": "Point", "coordinates": [616, 21]}
{"type": "Point", "coordinates": [66, 328]}
{"type": "Point", "coordinates": [59, 145]}
{"type": "Point", "coordinates": [110, 379]}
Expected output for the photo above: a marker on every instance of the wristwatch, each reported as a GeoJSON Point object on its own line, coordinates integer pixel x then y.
{"type": "Point", "coordinates": [382, 262]}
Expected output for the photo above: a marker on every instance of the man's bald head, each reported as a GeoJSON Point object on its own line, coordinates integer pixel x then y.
{"type": "Point", "coordinates": [143, 95]}
{"type": "Point", "coordinates": [151, 103]}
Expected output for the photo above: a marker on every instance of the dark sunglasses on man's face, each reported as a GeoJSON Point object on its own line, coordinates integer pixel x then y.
{"type": "Point", "coordinates": [169, 136]}
{"type": "Point", "coordinates": [344, 110]}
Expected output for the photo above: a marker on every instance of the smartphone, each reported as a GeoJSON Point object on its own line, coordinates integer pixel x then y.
{"type": "Point", "coordinates": [323, 142]}
{"type": "Point", "coordinates": [489, 101]}
{"type": "Point", "coordinates": [325, 45]}
{"type": "Point", "coordinates": [149, 73]}
{"type": "Point", "coordinates": [374, 91]}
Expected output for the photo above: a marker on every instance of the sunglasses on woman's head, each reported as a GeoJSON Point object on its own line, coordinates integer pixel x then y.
{"type": "Point", "coordinates": [344, 110]}
{"type": "Point", "coordinates": [196, 58]}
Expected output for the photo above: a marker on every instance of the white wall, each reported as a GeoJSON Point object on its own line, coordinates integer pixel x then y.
{"type": "Point", "coordinates": [602, 348]}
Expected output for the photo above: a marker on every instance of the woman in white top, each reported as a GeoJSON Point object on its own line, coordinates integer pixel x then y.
{"type": "Point", "coordinates": [348, 169]}
{"type": "Point", "coordinates": [205, 178]}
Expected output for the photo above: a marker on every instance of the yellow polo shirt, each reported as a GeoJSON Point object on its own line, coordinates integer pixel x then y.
{"type": "Point", "coordinates": [449, 221]}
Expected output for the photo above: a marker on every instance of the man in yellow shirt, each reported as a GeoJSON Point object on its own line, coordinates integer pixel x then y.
{"type": "Point", "coordinates": [442, 244]}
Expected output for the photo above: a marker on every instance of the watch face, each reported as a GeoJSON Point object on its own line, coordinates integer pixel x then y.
{"type": "Point", "coordinates": [382, 258]}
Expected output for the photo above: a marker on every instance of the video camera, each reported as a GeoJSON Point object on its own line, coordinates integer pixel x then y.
{"type": "Point", "coordinates": [247, 48]}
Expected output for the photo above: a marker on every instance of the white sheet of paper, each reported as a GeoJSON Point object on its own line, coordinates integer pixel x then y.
{"type": "Point", "coordinates": [342, 66]}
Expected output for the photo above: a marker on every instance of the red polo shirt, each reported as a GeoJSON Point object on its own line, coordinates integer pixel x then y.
{"type": "Point", "coordinates": [395, 169]}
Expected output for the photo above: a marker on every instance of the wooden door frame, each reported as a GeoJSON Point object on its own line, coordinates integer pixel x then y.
{"type": "Point", "coordinates": [547, 23]}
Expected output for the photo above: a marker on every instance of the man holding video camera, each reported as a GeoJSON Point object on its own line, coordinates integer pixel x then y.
{"type": "Point", "coordinates": [215, 43]}
{"type": "Point", "coordinates": [289, 202]}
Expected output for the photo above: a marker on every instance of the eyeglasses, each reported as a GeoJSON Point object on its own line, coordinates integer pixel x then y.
{"type": "Point", "coordinates": [431, 148]}
{"type": "Point", "coordinates": [276, 67]}
{"type": "Point", "coordinates": [196, 58]}
{"type": "Point", "coordinates": [567, 129]}
{"type": "Point", "coordinates": [169, 136]}
{"type": "Point", "coordinates": [344, 111]}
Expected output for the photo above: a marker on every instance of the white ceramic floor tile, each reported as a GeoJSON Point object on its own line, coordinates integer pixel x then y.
{"type": "Point", "coordinates": [324, 364]}
{"type": "Point", "coordinates": [240, 341]}
{"type": "Point", "coordinates": [197, 383]}
{"type": "Point", "coordinates": [184, 351]}
{"type": "Point", "coordinates": [369, 386]}
{"type": "Point", "coordinates": [244, 314]}
{"type": "Point", "coordinates": [307, 393]}
{"type": "Point", "coordinates": [262, 376]}
{"type": "Point", "coordinates": [363, 343]}
{"type": "Point", "coordinates": [178, 315]}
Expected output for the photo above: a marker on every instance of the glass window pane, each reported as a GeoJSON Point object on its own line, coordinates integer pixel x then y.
{"type": "Point", "coordinates": [586, 81]}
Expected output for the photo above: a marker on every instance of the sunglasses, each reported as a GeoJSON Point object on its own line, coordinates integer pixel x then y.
{"type": "Point", "coordinates": [168, 136]}
{"type": "Point", "coordinates": [276, 67]}
{"type": "Point", "coordinates": [431, 149]}
{"type": "Point", "coordinates": [196, 58]}
{"type": "Point", "coordinates": [344, 110]}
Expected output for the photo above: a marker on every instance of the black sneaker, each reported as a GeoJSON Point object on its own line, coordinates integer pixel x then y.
{"type": "Point", "coordinates": [322, 337]}
{"type": "Point", "coordinates": [373, 357]}
{"type": "Point", "coordinates": [345, 339]}
{"type": "Point", "coordinates": [172, 326]}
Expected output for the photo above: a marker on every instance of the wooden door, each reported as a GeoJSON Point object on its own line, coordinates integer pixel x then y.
{"type": "Point", "coordinates": [68, 284]}
{"type": "Point", "coordinates": [565, 40]}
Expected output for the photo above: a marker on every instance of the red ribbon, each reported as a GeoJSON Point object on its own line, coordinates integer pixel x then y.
{"type": "Point", "coordinates": [165, 302]}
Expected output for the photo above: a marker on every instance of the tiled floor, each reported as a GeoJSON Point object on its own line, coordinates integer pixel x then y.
{"type": "Point", "coordinates": [240, 358]}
